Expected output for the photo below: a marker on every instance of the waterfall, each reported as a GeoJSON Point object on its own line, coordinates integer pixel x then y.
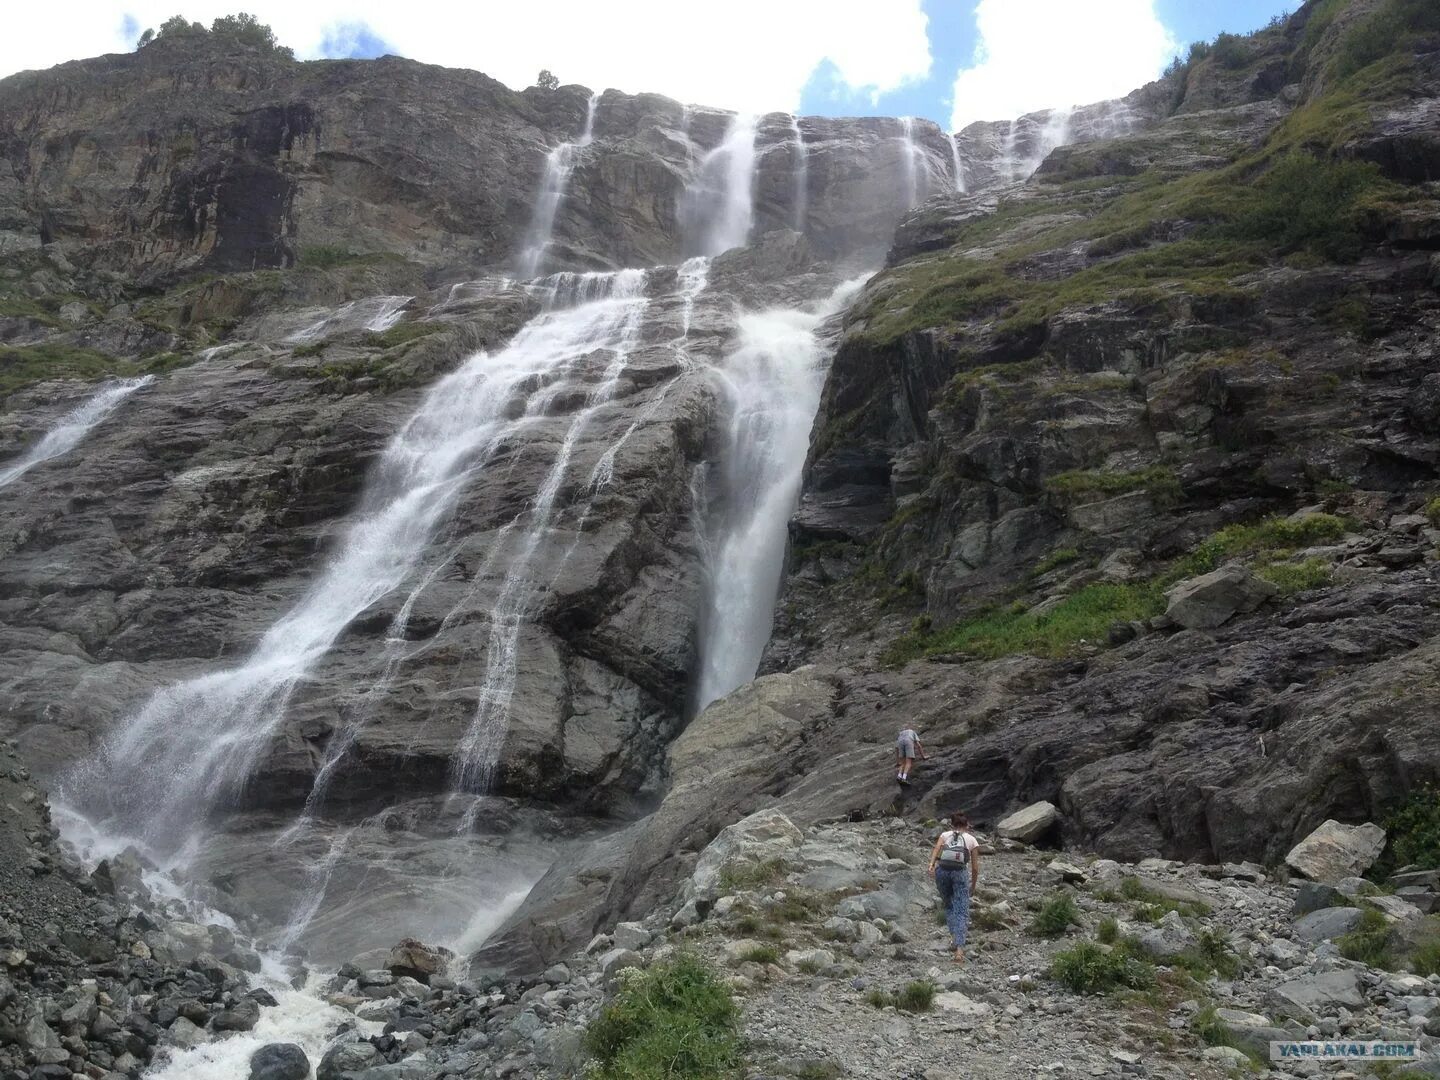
{"type": "Point", "coordinates": [374, 313]}
{"type": "Point", "coordinates": [479, 751]}
{"type": "Point", "coordinates": [73, 427]}
{"type": "Point", "coordinates": [771, 382]}
{"type": "Point", "coordinates": [802, 175]}
{"type": "Point", "coordinates": [194, 744]}
{"type": "Point", "coordinates": [956, 165]}
{"type": "Point", "coordinates": [559, 164]}
{"type": "Point", "coordinates": [913, 156]}
{"type": "Point", "coordinates": [718, 207]}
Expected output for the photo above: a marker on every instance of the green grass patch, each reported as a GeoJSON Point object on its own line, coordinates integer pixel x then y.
{"type": "Point", "coordinates": [1306, 203]}
{"type": "Point", "coordinates": [1108, 932]}
{"type": "Point", "coordinates": [1089, 968]}
{"type": "Point", "coordinates": [1425, 961]}
{"type": "Point", "coordinates": [1275, 536]}
{"type": "Point", "coordinates": [1054, 560]}
{"type": "Point", "coordinates": [797, 907]}
{"type": "Point", "coordinates": [760, 954]}
{"type": "Point", "coordinates": [1078, 484]}
{"type": "Point", "coordinates": [401, 334]}
{"type": "Point", "coordinates": [22, 366]}
{"type": "Point", "coordinates": [1297, 577]}
{"type": "Point", "coordinates": [1432, 512]}
{"type": "Point", "coordinates": [1083, 616]}
{"type": "Point", "coordinates": [675, 1021]}
{"type": "Point", "coordinates": [1369, 941]}
{"type": "Point", "coordinates": [738, 876]}
{"type": "Point", "coordinates": [917, 996]}
{"type": "Point", "coordinates": [1210, 955]}
{"type": "Point", "coordinates": [1056, 916]}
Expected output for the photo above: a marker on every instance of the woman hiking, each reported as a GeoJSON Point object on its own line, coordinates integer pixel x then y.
{"type": "Point", "coordinates": [955, 862]}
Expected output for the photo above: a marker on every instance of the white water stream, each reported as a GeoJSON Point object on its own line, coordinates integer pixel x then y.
{"type": "Point", "coordinates": [73, 427]}
{"type": "Point", "coordinates": [772, 382]}
{"type": "Point", "coordinates": [802, 175]}
{"type": "Point", "coordinates": [718, 209]}
{"type": "Point", "coordinates": [559, 164]}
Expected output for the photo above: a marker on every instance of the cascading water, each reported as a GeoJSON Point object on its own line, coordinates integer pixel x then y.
{"type": "Point", "coordinates": [374, 313]}
{"type": "Point", "coordinates": [194, 744]}
{"type": "Point", "coordinates": [957, 167]}
{"type": "Point", "coordinates": [559, 164]}
{"type": "Point", "coordinates": [73, 427]}
{"type": "Point", "coordinates": [802, 175]}
{"type": "Point", "coordinates": [772, 382]}
{"type": "Point", "coordinates": [910, 152]}
{"type": "Point", "coordinates": [479, 751]}
{"type": "Point", "coordinates": [718, 209]}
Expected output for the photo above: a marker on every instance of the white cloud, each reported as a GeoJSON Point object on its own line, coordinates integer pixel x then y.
{"type": "Point", "coordinates": [742, 54]}
{"type": "Point", "coordinates": [1039, 54]}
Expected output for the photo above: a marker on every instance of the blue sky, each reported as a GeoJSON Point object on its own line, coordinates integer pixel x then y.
{"type": "Point", "coordinates": [953, 35]}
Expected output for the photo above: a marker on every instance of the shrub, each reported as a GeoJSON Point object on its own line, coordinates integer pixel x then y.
{"type": "Point", "coordinates": [246, 28]}
{"type": "Point", "coordinates": [1209, 955]}
{"type": "Point", "coordinates": [1108, 932]}
{"type": "Point", "coordinates": [1230, 51]}
{"type": "Point", "coordinates": [916, 996]}
{"type": "Point", "coordinates": [676, 1020]}
{"type": "Point", "coordinates": [879, 998]}
{"type": "Point", "coordinates": [1297, 577]}
{"type": "Point", "coordinates": [1309, 203]}
{"type": "Point", "coordinates": [1432, 511]}
{"type": "Point", "coordinates": [1368, 942]}
{"type": "Point", "coordinates": [760, 954]}
{"type": "Point", "coordinates": [735, 876]}
{"type": "Point", "coordinates": [1425, 961]}
{"type": "Point", "coordinates": [1056, 916]}
{"type": "Point", "coordinates": [1089, 968]}
{"type": "Point", "coordinates": [1382, 33]}
{"type": "Point", "coordinates": [1414, 834]}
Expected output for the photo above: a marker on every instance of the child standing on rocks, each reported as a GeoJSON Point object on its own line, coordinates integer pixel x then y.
{"type": "Point", "coordinates": [955, 862]}
{"type": "Point", "coordinates": [907, 749]}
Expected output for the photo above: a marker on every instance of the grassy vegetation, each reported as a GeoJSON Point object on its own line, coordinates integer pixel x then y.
{"type": "Point", "coordinates": [1056, 916]}
{"type": "Point", "coordinates": [1369, 941]}
{"type": "Point", "coordinates": [917, 996]}
{"type": "Point", "coordinates": [672, 1022]}
{"type": "Point", "coordinates": [1079, 484]}
{"type": "Point", "coordinates": [1089, 968]}
{"type": "Point", "coordinates": [1054, 560]}
{"type": "Point", "coordinates": [1108, 932]}
{"type": "Point", "coordinates": [1413, 835]}
{"type": "Point", "coordinates": [1210, 955]}
{"type": "Point", "coordinates": [401, 334]}
{"type": "Point", "coordinates": [1425, 961]}
{"type": "Point", "coordinates": [760, 954]}
{"type": "Point", "coordinates": [738, 876]}
{"type": "Point", "coordinates": [22, 365]}
{"type": "Point", "coordinates": [1083, 616]}
{"type": "Point", "coordinates": [1273, 537]}
{"type": "Point", "coordinates": [1297, 577]}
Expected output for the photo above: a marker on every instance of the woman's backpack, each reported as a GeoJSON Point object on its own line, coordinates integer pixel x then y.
{"type": "Point", "coordinates": [956, 852]}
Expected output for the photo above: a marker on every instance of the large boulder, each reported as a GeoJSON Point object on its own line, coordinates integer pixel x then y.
{"type": "Point", "coordinates": [1313, 996]}
{"type": "Point", "coordinates": [279, 1061]}
{"type": "Point", "coordinates": [1326, 924]}
{"type": "Point", "coordinates": [1335, 851]}
{"type": "Point", "coordinates": [1210, 600]}
{"type": "Point", "coordinates": [418, 960]}
{"type": "Point", "coordinates": [1170, 937]}
{"type": "Point", "coordinates": [765, 837]}
{"type": "Point", "coordinates": [1030, 824]}
{"type": "Point", "coordinates": [346, 1057]}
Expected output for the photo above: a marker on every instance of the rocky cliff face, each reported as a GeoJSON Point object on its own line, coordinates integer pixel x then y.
{"type": "Point", "coordinates": [1200, 333]}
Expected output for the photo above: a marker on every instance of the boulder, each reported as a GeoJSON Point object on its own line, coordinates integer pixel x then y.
{"type": "Point", "coordinates": [186, 1035]}
{"type": "Point", "coordinates": [279, 1061]}
{"type": "Point", "coordinates": [1169, 937]}
{"type": "Point", "coordinates": [953, 1001]}
{"type": "Point", "coordinates": [242, 1016]}
{"type": "Point", "coordinates": [765, 836]}
{"type": "Point", "coordinates": [418, 960]}
{"type": "Point", "coordinates": [1308, 998]}
{"type": "Point", "coordinates": [1029, 825]}
{"type": "Point", "coordinates": [1326, 924]}
{"type": "Point", "coordinates": [1314, 895]}
{"type": "Point", "coordinates": [631, 935]}
{"type": "Point", "coordinates": [1210, 600]}
{"type": "Point", "coordinates": [617, 960]}
{"type": "Point", "coordinates": [819, 959]}
{"type": "Point", "coordinates": [1335, 851]}
{"type": "Point", "coordinates": [1250, 1032]}
{"type": "Point", "coordinates": [346, 1057]}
